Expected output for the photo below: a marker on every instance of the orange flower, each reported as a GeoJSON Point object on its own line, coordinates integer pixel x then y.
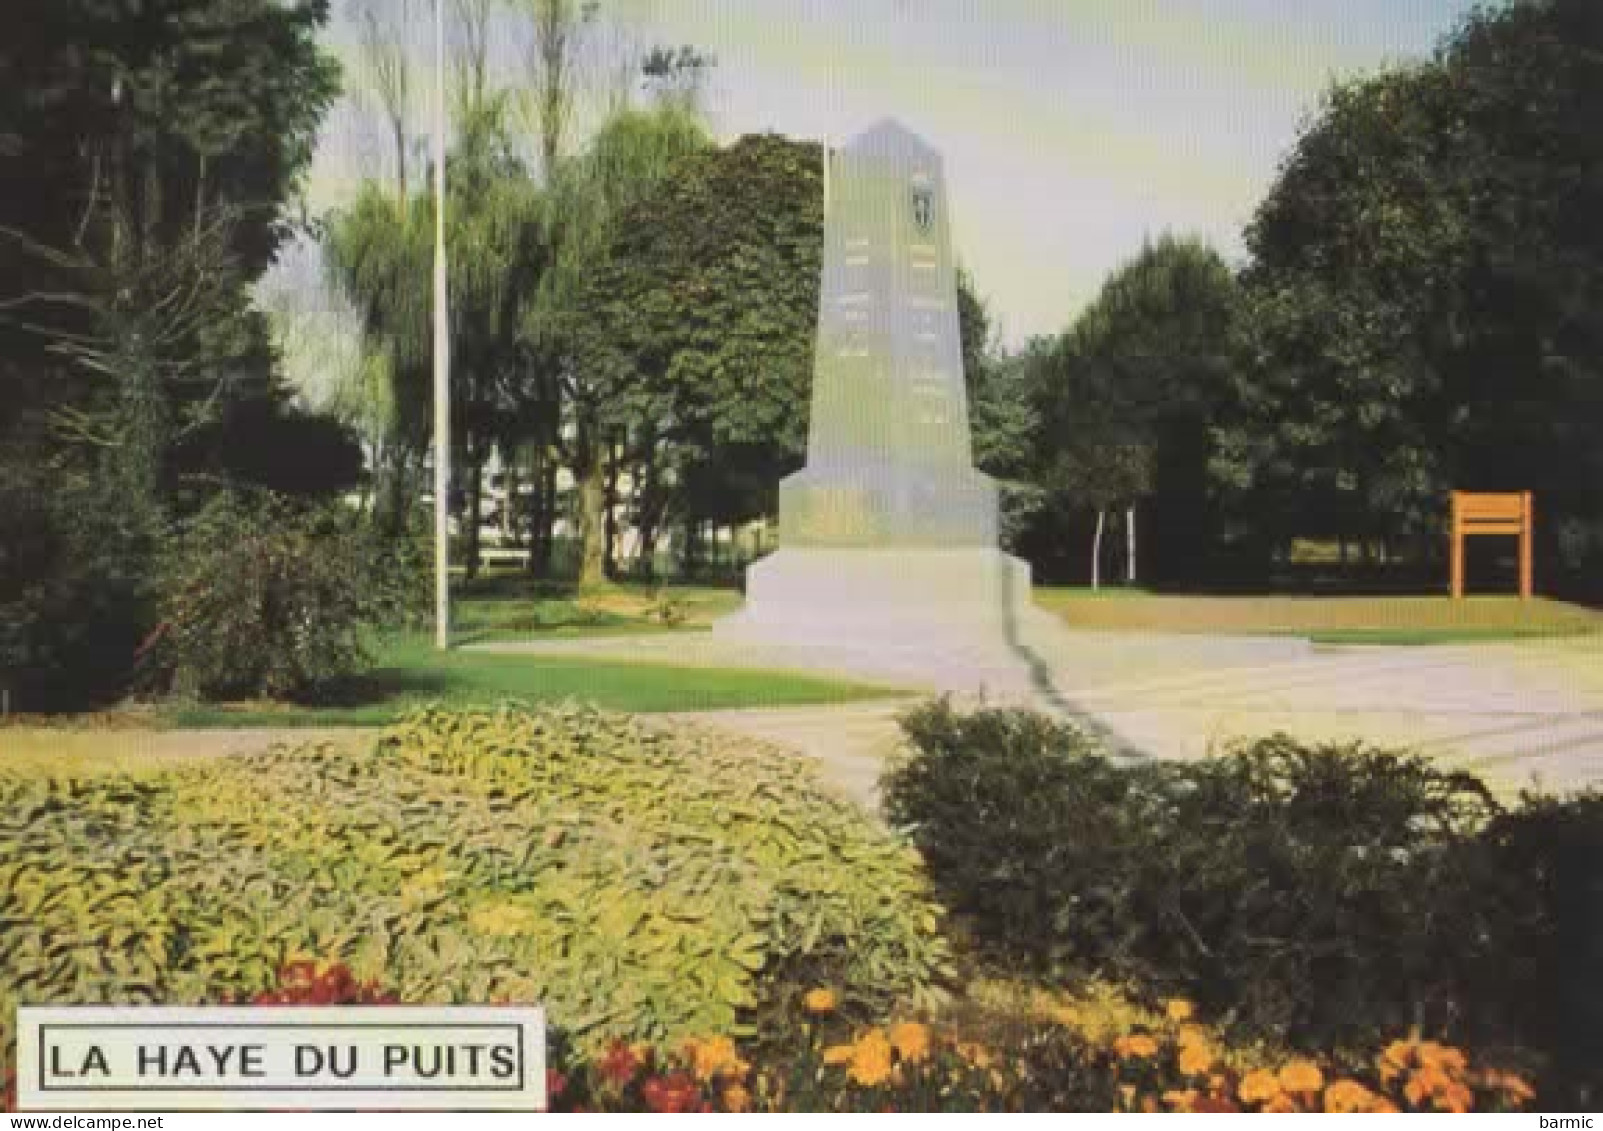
{"type": "Point", "coordinates": [714, 1057]}
{"type": "Point", "coordinates": [871, 1059]}
{"type": "Point", "coordinates": [1513, 1088]}
{"type": "Point", "coordinates": [1455, 1098]}
{"type": "Point", "coordinates": [911, 1041]}
{"type": "Point", "coordinates": [1281, 1104]}
{"type": "Point", "coordinates": [1395, 1060]}
{"type": "Point", "coordinates": [736, 1099]}
{"type": "Point", "coordinates": [821, 1000]}
{"type": "Point", "coordinates": [1444, 1057]}
{"type": "Point", "coordinates": [1195, 1059]}
{"type": "Point", "coordinates": [1179, 1009]}
{"type": "Point", "coordinates": [1345, 1097]}
{"type": "Point", "coordinates": [1302, 1076]}
{"type": "Point", "coordinates": [1426, 1083]}
{"type": "Point", "coordinates": [1258, 1086]}
{"type": "Point", "coordinates": [838, 1054]}
{"type": "Point", "coordinates": [1182, 1101]}
{"type": "Point", "coordinates": [1383, 1106]}
{"type": "Point", "coordinates": [975, 1054]}
{"type": "Point", "coordinates": [1137, 1045]}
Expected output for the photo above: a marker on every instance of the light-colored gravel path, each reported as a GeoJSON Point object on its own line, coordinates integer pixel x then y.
{"type": "Point", "coordinates": [1520, 714]}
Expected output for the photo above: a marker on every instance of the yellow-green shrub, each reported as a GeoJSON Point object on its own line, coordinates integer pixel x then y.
{"type": "Point", "coordinates": [640, 883]}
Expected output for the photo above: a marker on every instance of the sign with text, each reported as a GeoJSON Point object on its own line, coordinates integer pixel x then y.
{"type": "Point", "coordinates": [278, 1058]}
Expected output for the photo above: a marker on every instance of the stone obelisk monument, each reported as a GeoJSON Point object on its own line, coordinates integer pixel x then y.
{"type": "Point", "coordinates": [888, 536]}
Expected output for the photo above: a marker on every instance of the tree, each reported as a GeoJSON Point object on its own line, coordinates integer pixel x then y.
{"type": "Point", "coordinates": [495, 227]}
{"type": "Point", "coordinates": [1332, 425]}
{"type": "Point", "coordinates": [559, 69]}
{"type": "Point", "coordinates": [1431, 264]}
{"type": "Point", "coordinates": [1004, 422]}
{"type": "Point", "coordinates": [586, 205]}
{"type": "Point", "coordinates": [387, 46]}
{"type": "Point", "coordinates": [162, 141]}
{"type": "Point", "coordinates": [700, 326]}
{"type": "Point", "coordinates": [580, 69]}
{"type": "Point", "coordinates": [1124, 399]}
{"type": "Point", "coordinates": [380, 259]}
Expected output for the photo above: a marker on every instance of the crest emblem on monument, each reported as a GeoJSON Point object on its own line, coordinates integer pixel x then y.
{"type": "Point", "coordinates": [923, 208]}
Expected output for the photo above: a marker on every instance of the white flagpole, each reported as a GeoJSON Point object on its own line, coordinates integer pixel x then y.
{"type": "Point", "coordinates": [826, 176]}
{"type": "Point", "coordinates": [442, 358]}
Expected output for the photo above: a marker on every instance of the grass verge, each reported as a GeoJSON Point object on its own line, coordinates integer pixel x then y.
{"type": "Point", "coordinates": [410, 672]}
{"type": "Point", "coordinates": [1329, 620]}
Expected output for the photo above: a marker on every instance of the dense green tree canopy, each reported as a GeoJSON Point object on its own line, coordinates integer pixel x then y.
{"type": "Point", "coordinates": [701, 320]}
{"type": "Point", "coordinates": [1426, 292]}
{"type": "Point", "coordinates": [1123, 399]}
{"type": "Point", "coordinates": [150, 153]}
{"type": "Point", "coordinates": [150, 150]}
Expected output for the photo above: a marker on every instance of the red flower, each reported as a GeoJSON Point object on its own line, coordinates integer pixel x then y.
{"type": "Point", "coordinates": [300, 983]}
{"type": "Point", "coordinates": [555, 1084]}
{"type": "Point", "coordinates": [619, 1065]}
{"type": "Point", "coordinates": [302, 972]}
{"type": "Point", "coordinates": [670, 1094]}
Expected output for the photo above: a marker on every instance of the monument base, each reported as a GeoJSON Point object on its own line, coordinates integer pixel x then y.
{"type": "Point", "coordinates": [910, 598]}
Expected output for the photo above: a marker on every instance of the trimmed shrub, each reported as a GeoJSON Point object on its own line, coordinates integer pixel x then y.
{"type": "Point", "coordinates": [1548, 866]}
{"type": "Point", "coordinates": [640, 883]}
{"type": "Point", "coordinates": [1322, 895]}
{"type": "Point", "coordinates": [266, 599]}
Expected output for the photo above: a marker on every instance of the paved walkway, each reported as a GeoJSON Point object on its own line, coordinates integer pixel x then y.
{"type": "Point", "coordinates": [1518, 714]}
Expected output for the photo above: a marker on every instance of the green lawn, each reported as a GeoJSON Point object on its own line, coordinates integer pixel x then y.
{"type": "Point", "coordinates": [1327, 620]}
{"type": "Point", "coordinates": [411, 672]}
{"type": "Point", "coordinates": [503, 607]}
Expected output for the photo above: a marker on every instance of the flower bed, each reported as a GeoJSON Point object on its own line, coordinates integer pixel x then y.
{"type": "Point", "coordinates": [821, 1062]}
{"type": "Point", "coordinates": [641, 883]}
{"type": "Point", "coordinates": [1319, 896]}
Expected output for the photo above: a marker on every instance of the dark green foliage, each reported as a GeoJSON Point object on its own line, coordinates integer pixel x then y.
{"type": "Point", "coordinates": [262, 598]}
{"type": "Point", "coordinates": [141, 131]}
{"type": "Point", "coordinates": [276, 448]}
{"type": "Point", "coordinates": [1329, 895]}
{"type": "Point", "coordinates": [181, 101]}
{"type": "Point", "coordinates": [703, 316]}
{"type": "Point", "coordinates": [1549, 866]}
{"type": "Point", "coordinates": [1424, 292]}
{"type": "Point", "coordinates": [73, 606]}
{"type": "Point", "coordinates": [987, 796]}
{"type": "Point", "coordinates": [1119, 408]}
{"type": "Point", "coordinates": [401, 568]}
{"type": "Point", "coordinates": [157, 144]}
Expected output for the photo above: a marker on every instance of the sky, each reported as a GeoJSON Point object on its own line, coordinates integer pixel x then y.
{"type": "Point", "coordinates": [1071, 130]}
